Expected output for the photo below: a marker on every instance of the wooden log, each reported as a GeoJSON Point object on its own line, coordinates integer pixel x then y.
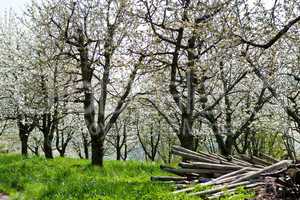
{"type": "Point", "coordinates": [197, 171]}
{"type": "Point", "coordinates": [250, 160]}
{"type": "Point", "coordinates": [217, 182]}
{"type": "Point", "coordinates": [253, 175]}
{"type": "Point", "coordinates": [222, 179]}
{"type": "Point", "coordinates": [180, 172]}
{"type": "Point", "coordinates": [261, 161]}
{"type": "Point", "coordinates": [241, 171]}
{"type": "Point", "coordinates": [268, 158]}
{"type": "Point", "coordinates": [212, 158]}
{"type": "Point", "coordinates": [229, 179]}
{"type": "Point", "coordinates": [211, 166]}
{"type": "Point", "coordinates": [184, 190]}
{"type": "Point", "coordinates": [241, 162]}
{"type": "Point", "coordinates": [201, 154]}
{"type": "Point", "coordinates": [222, 193]}
{"type": "Point", "coordinates": [168, 178]}
{"type": "Point", "coordinates": [220, 188]}
{"type": "Point", "coordinates": [246, 158]}
{"type": "Point", "coordinates": [255, 160]}
{"type": "Point", "coordinates": [192, 157]}
{"type": "Point", "coordinates": [220, 157]}
{"type": "Point", "coordinates": [181, 186]}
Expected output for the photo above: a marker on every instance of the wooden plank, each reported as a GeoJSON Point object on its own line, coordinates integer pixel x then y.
{"type": "Point", "coordinates": [253, 175]}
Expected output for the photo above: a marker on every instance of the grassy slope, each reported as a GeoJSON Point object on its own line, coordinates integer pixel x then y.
{"type": "Point", "coordinates": [65, 178]}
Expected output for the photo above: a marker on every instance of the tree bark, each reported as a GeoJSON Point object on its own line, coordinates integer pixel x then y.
{"type": "Point", "coordinates": [48, 147]}
{"type": "Point", "coordinates": [118, 153]}
{"type": "Point", "coordinates": [25, 128]}
{"type": "Point", "coordinates": [86, 150]}
{"type": "Point", "coordinates": [187, 141]}
{"type": "Point", "coordinates": [24, 143]}
{"type": "Point", "coordinates": [97, 150]}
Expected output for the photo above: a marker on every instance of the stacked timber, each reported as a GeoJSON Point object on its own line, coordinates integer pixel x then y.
{"type": "Point", "coordinates": [199, 169]}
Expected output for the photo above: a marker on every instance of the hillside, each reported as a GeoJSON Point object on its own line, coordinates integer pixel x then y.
{"type": "Point", "coordinates": [65, 178]}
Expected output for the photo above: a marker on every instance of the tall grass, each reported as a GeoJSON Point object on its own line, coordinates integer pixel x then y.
{"type": "Point", "coordinates": [69, 179]}
{"type": "Point", "coordinates": [65, 178]}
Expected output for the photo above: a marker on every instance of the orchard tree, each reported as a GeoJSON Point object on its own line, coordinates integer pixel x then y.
{"type": "Point", "coordinates": [269, 48]}
{"type": "Point", "coordinates": [186, 34]}
{"type": "Point", "coordinates": [17, 87]}
{"type": "Point", "coordinates": [95, 36]}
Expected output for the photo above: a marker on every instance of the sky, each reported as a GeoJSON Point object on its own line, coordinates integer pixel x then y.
{"type": "Point", "coordinates": [17, 5]}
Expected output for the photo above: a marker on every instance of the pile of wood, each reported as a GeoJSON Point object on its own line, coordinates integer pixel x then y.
{"type": "Point", "coordinates": [200, 169]}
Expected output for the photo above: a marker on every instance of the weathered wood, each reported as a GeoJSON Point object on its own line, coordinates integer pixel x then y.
{"type": "Point", "coordinates": [241, 162]}
{"type": "Point", "coordinates": [180, 172]}
{"type": "Point", "coordinates": [201, 154]}
{"type": "Point", "coordinates": [268, 158]}
{"type": "Point", "coordinates": [231, 173]}
{"type": "Point", "coordinates": [222, 193]}
{"type": "Point", "coordinates": [220, 157]}
{"type": "Point", "coordinates": [220, 188]}
{"type": "Point", "coordinates": [184, 190]}
{"type": "Point", "coordinates": [211, 166]}
{"type": "Point", "coordinates": [261, 161]}
{"type": "Point", "coordinates": [221, 180]}
{"type": "Point", "coordinates": [255, 160]}
{"type": "Point", "coordinates": [192, 157]}
{"type": "Point", "coordinates": [183, 171]}
{"type": "Point", "coordinates": [212, 158]}
{"type": "Point", "coordinates": [253, 175]}
{"type": "Point", "coordinates": [251, 161]}
{"type": "Point", "coordinates": [241, 171]}
{"type": "Point", "coordinates": [168, 178]}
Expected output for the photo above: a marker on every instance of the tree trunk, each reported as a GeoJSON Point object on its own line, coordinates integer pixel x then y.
{"type": "Point", "coordinates": [225, 148]}
{"type": "Point", "coordinates": [86, 150]}
{"type": "Point", "coordinates": [97, 150]}
{"type": "Point", "coordinates": [229, 143]}
{"type": "Point", "coordinates": [24, 143]}
{"type": "Point", "coordinates": [85, 144]}
{"type": "Point", "coordinates": [187, 141]}
{"type": "Point", "coordinates": [118, 153]}
{"type": "Point", "coordinates": [48, 147]}
{"type": "Point", "coordinates": [62, 151]}
{"type": "Point", "coordinates": [24, 131]}
{"type": "Point", "coordinates": [118, 147]}
{"type": "Point", "coordinates": [125, 152]}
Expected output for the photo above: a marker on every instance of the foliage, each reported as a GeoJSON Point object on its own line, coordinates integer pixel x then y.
{"type": "Point", "coordinates": [270, 143]}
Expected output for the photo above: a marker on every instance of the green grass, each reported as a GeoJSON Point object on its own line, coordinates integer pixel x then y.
{"type": "Point", "coordinates": [68, 179]}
